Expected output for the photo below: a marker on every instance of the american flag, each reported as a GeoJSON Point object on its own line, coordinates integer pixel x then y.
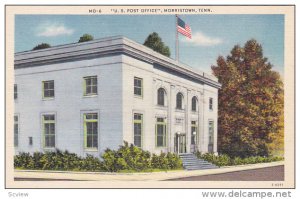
{"type": "Point", "coordinates": [184, 28]}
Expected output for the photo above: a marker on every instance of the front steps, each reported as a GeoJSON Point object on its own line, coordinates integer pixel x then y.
{"type": "Point", "coordinates": [191, 162]}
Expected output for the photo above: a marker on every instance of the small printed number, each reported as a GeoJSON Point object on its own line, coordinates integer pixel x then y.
{"type": "Point", "coordinates": [277, 184]}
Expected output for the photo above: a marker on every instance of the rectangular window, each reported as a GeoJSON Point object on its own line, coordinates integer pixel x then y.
{"type": "Point", "coordinates": [161, 132]}
{"type": "Point", "coordinates": [16, 130]}
{"type": "Point", "coordinates": [90, 130]}
{"type": "Point", "coordinates": [30, 141]}
{"type": "Point", "coordinates": [138, 129]}
{"type": "Point", "coordinates": [210, 136]}
{"type": "Point", "coordinates": [211, 103]}
{"type": "Point", "coordinates": [15, 91]}
{"type": "Point", "coordinates": [194, 132]}
{"type": "Point", "coordinates": [211, 132]}
{"type": "Point", "coordinates": [90, 85]}
{"type": "Point", "coordinates": [48, 89]}
{"type": "Point", "coordinates": [138, 86]}
{"type": "Point", "coordinates": [49, 130]}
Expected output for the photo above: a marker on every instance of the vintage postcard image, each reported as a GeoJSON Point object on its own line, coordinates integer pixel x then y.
{"type": "Point", "coordinates": [150, 96]}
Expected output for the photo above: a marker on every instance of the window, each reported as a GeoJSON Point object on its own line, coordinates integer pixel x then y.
{"type": "Point", "coordinates": [194, 132]}
{"type": "Point", "coordinates": [161, 132]}
{"type": "Point", "coordinates": [48, 89]}
{"type": "Point", "coordinates": [179, 101]}
{"type": "Point", "coordinates": [138, 86]}
{"type": "Point", "coordinates": [210, 136]}
{"type": "Point", "coordinates": [15, 91]}
{"type": "Point", "coordinates": [138, 129]}
{"type": "Point", "coordinates": [90, 85]}
{"type": "Point", "coordinates": [16, 130]}
{"type": "Point", "coordinates": [194, 103]}
{"type": "Point", "coordinates": [49, 130]}
{"type": "Point", "coordinates": [90, 130]}
{"type": "Point", "coordinates": [30, 141]}
{"type": "Point", "coordinates": [161, 96]}
{"type": "Point", "coordinates": [211, 103]}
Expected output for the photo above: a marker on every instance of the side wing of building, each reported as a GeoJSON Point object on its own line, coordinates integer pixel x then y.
{"type": "Point", "coordinates": [178, 111]}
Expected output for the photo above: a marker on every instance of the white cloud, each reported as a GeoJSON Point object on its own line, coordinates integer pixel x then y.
{"type": "Point", "coordinates": [53, 29]}
{"type": "Point", "coordinates": [199, 39]}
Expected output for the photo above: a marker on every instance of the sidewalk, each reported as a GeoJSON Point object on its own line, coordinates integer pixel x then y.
{"type": "Point", "coordinates": [155, 176]}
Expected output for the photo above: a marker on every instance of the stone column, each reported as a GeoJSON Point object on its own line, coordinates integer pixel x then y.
{"type": "Point", "coordinates": [199, 138]}
{"type": "Point", "coordinates": [171, 119]}
{"type": "Point", "coordinates": [187, 121]}
{"type": "Point", "coordinates": [202, 124]}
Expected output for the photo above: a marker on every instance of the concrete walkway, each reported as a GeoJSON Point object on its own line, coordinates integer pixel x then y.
{"type": "Point", "coordinates": [155, 176]}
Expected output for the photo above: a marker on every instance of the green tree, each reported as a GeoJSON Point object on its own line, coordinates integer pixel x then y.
{"type": "Point", "coordinates": [86, 37]}
{"type": "Point", "coordinates": [154, 42]}
{"type": "Point", "coordinates": [250, 102]}
{"type": "Point", "coordinates": [41, 46]}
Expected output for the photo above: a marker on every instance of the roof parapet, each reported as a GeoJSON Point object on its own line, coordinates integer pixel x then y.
{"type": "Point", "coordinates": [104, 46]}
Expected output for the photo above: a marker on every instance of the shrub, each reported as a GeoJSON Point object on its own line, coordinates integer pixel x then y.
{"type": "Point", "coordinates": [174, 162]}
{"type": "Point", "coordinates": [135, 159]}
{"type": "Point", "coordinates": [128, 158]}
{"type": "Point", "coordinates": [222, 160]}
{"type": "Point", "coordinates": [225, 160]}
{"type": "Point", "coordinates": [238, 161]}
{"type": "Point", "coordinates": [91, 163]}
{"type": "Point", "coordinates": [24, 160]}
{"type": "Point", "coordinates": [37, 156]}
{"type": "Point", "coordinates": [109, 160]}
{"type": "Point", "coordinates": [71, 161]}
{"type": "Point", "coordinates": [52, 160]}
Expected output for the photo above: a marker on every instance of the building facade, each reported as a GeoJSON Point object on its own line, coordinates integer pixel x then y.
{"type": "Point", "coordinates": [86, 97]}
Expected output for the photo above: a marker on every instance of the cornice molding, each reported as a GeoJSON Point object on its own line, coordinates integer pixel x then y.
{"type": "Point", "coordinates": [107, 47]}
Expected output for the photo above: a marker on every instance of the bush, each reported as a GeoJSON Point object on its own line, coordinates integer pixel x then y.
{"type": "Point", "coordinates": [91, 163]}
{"type": "Point", "coordinates": [174, 161]}
{"type": "Point", "coordinates": [109, 160]}
{"type": "Point", "coordinates": [159, 161]}
{"type": "Point", "coordinates": [126, 158]}
{"type": "Point", "coordinates": [24, 160]}
{"type": "Point", "coordinates": [37, 156]}
{"type": "Point", "coordinates": [72, 161]}
{"type": "Point", "coordinates": [135, 159]}
{"type": "Point", "coordinates": [225, 160]}
{"type": "Point", "coordinates": [237, 161]}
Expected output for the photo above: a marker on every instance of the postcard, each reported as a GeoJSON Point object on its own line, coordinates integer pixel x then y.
{"type": "Point", "coordinates": [197, 96]}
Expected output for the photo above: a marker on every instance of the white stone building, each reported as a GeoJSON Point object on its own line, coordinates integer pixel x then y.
{"type": "Point", "coordinates": [86, 97]}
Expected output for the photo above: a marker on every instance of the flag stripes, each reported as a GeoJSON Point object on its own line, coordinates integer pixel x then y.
{"type": "Point", "coordinates": [184, 28]}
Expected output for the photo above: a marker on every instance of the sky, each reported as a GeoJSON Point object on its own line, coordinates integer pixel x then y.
{"type": "Point", "coordinates": [212, 35]}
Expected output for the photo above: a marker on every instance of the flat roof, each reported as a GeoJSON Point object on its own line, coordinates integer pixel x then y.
{"type": "Point", "coordinates": [107, 46]}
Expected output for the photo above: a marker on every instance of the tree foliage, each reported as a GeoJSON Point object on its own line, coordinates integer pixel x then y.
{"type": "Point", "coordinates": [41, 46]}
{"type": "Point", "coordinates": [154, 42]}
{"type": "Point", "coordinates": [250, 103]}
{"type": "Point", "coordinates": [86, 37]}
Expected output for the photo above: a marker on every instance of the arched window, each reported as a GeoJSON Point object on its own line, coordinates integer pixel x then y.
{"type": "Point", "coordinates": [194, 103]}
{"type": "Point", "coordinates": [161, 96]}
{"type": "Point", "coordinates": [179, 101]}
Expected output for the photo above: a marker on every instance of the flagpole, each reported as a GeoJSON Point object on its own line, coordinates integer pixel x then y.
{"type": "Point", "coordinates": [177, 43]}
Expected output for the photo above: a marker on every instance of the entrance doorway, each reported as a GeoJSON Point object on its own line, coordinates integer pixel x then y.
{"type": "Point", "coordinates": [180, 143]}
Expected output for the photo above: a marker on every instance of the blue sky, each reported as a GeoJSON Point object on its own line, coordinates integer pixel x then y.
{"type": "Point", "coordinates": [212, 35]}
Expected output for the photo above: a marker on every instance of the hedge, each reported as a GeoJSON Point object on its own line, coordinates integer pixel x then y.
{"type": "Point", "coordinates": [126, 158]}
{"type": "Point", "coordinates": [225, 160]}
